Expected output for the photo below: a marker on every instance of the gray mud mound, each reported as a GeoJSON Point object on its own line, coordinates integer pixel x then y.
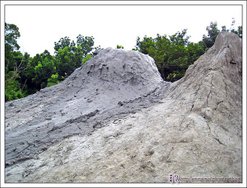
{"type": "Point", "coordinates": [115, 82]}
{"type": "Point", "coordinates": [115, 120]}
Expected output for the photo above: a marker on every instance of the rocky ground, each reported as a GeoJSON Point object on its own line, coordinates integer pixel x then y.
{"type": "Point", "coordinates": [115, 120]}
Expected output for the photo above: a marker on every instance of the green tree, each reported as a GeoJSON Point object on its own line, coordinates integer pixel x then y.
{"type": "Point", "coordinates": [26, 75]}
{"type": "Point", "coordinates": [11, 33]}
{"type": "Point", "coordinates": [53, 80]}
{"type": "Point", "coordinates": [70, 55]}
{"type": "Point", "coordinates": [180, 38]}
{"type": "Point", "coordinates": [45, 67]}
{"type": "Point", "coordinates": [38, 70]}
{"type": "Point", "coordinates": [62, 43]}
{"type": "Point", "coordinates": [195, 50]}
{"type": "Point", "coordinates": [85, 59]}
{"type": "Point", "coordinates": [213, 32]}
{"type": "Point", "coordinates": [172, 54]}
{"type": "Point", "coordinates": [238, 31]}
{"type": "Point", "coordinates": [14, 63]}
{"type": "Point", "coordinates": [84, 44]}
{"type": "Point", "coordinates": [12, 86]}
{"type": "Point", "coordinates": [120, 47]}
{"type": "Point", "coordinates": [65, 62]}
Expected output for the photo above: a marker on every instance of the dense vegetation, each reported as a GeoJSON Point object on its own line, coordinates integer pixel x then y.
{"type": "Point", "coordinates": [25, 75]}
{"type": "Point", "coordinates": [173, 54]}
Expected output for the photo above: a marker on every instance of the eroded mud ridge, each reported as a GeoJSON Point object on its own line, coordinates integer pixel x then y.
{"type": "Point", "coordinates": [113, 83]}
{"type": "Point", "coordinates": [115, 120]}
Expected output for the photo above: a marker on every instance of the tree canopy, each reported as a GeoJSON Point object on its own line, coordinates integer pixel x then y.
{"type": "Point", "coordinates": [172, 54]}
{"type": "Point", "coordinates": [25, 75]}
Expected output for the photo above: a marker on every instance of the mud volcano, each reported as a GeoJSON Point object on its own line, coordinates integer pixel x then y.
{"type": "Point", "coordinates": [115, 120]}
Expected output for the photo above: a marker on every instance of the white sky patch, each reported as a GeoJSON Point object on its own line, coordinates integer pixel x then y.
{"type": "Point", "coordinates": [41, 26]}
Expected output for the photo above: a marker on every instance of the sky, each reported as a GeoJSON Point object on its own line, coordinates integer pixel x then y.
{"type": "Point", "coordinates": [41, 26]}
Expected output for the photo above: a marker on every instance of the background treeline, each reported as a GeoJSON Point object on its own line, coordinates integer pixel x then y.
{"type": "Point", "coordinates": [24, 75]}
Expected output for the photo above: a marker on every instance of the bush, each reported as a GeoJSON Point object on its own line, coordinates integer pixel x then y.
{"type": "Point", "coordinates": [12, 87]}
{"type": "Point", "coordinates": [53, 80]}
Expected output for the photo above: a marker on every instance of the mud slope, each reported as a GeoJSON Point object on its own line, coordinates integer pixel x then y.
{"type": "Point", "coordinates": [115, 120]}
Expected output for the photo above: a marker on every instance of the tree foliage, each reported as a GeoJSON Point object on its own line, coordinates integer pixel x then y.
{"type": "Point", "coordinates": [25, 75]}
{"type": "Point", "coordinates": [70, 55]}
{"type": "Point", "coordinates": [119, 46]}
{"type": "Point", "coordinates": [13, 63]}
{"type": "Point", "coordinates": [11, 35]}
{"type": "Point", "coordinates": [172, 54]}
{"type": "Point", "coordinates": [213, 31]}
